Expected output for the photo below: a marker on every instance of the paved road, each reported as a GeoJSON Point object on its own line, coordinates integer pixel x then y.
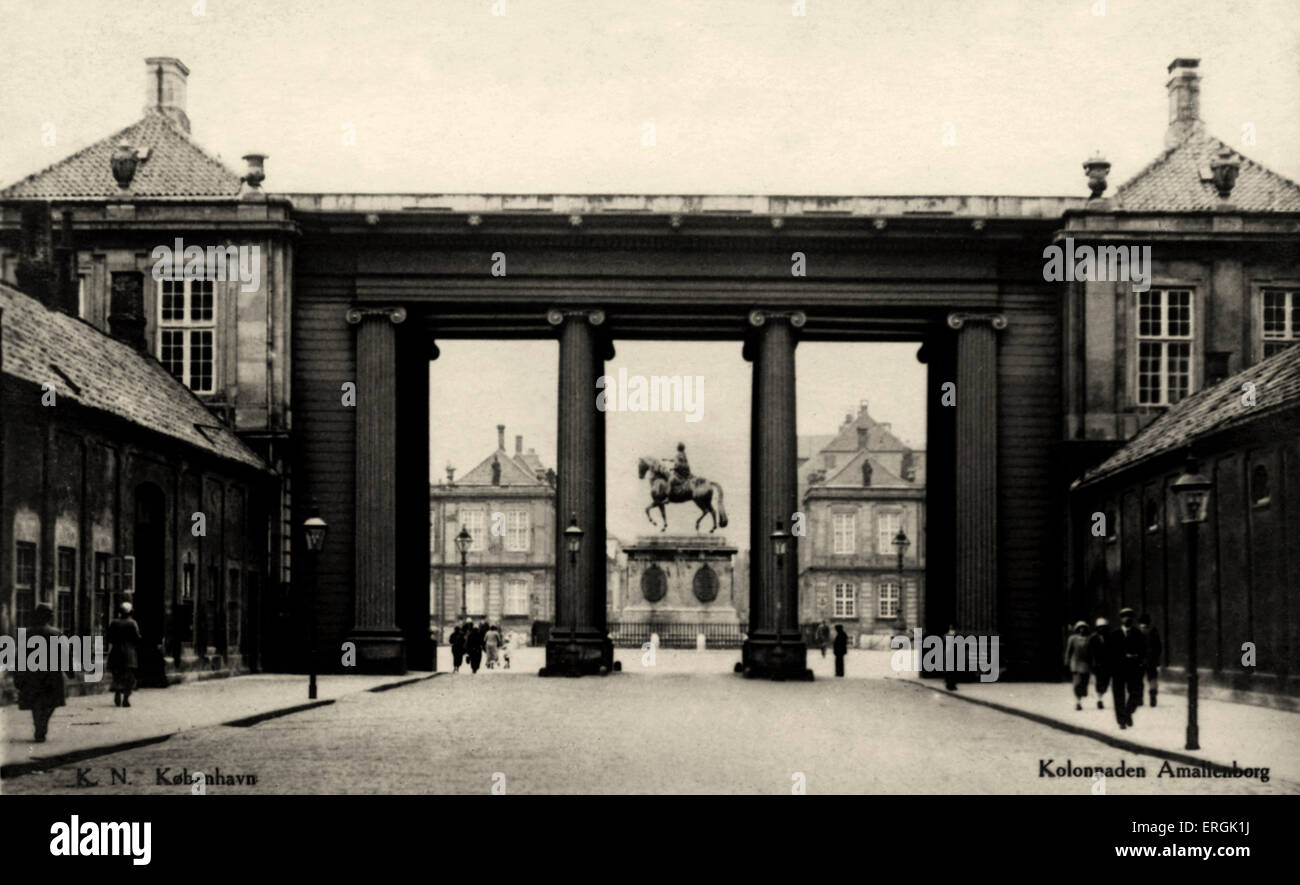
{"type": "Point", "coordinates": [667, 730]}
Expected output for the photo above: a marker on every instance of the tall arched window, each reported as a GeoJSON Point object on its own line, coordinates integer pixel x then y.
{"type": "Point", "coordinates": [1259, 491]}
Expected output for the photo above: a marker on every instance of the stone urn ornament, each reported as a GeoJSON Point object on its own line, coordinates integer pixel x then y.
{"type": "Point", "coordinates": [123, 163]}
{"type": "Point", "coordinates": [1224, 169]}
{"type": "Point", "coordinates": [1097, 167]}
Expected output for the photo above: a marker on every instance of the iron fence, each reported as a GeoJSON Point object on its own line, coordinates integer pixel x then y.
{"type": "Point", "coordinates": [676, 634]}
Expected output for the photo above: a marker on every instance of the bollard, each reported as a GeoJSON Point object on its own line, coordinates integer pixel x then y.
{"type": "Point", "coordinates": [700, 642]}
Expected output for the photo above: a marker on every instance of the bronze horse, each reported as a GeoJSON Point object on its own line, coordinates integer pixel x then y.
{"type": "Point", "coordinates": [697, 489]}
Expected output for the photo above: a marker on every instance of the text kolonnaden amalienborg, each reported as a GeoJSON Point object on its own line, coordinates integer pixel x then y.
{"type": "Point", "coordinates": [1049, 768]}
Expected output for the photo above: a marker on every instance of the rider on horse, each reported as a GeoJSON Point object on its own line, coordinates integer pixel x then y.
{"type": "Point", "coordinates": [681, 468]}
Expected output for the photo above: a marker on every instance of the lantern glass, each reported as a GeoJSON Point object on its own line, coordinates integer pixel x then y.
{"type": "Point", "coordinates": [573, 535]}
{"type": "Point", "coordinates": [1193, 491]}
{"type": "Point", "coordinates": [779, 541]}
{"type": "Point", "coordinates": [1194, 509]}
{"type": "Point", "coordinates": [314, 530]}
{"type": "Point", "coordinates": [464, 541]}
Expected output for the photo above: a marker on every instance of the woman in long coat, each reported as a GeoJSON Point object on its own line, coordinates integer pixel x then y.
{"type": "Point", "coordinates": [40, 691]}
{"type": "Point", "coordinates": [123, 654]}
{"type": "Point", "coordinates": [474, 648]}
{"type": "Point", "coordinates": [457, 641]}
{"type": "Point", "coordinates": [492, 642]}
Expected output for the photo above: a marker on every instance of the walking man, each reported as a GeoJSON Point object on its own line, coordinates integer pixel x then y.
{"type": "Point", "coordinates": [1153, 657]}
{"type": "Point", "coordinates": [1077, 660]}
{"type": "Point", "coordinates": [1099, 660]}
{"type": "Point", "coordinates": [457, 642]}
{"type": "Point", "coordinates": [841, 648]}
{"type": "Point", "coordinates": [123, 654]}
{"type": "Point", "coordinates": [823, 635]}
{"type": "Point", "coordinates": [40, 691]}
{"type": "Point", "coordinates": [1128, 653]}
{"type": "Point", "coordinates": [474, 648]}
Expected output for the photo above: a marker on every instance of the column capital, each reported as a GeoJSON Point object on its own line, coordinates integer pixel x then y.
{"type": "Point", "coordinates": [758, 316]}
{"type": "Point", "coordinates": [959, 319]}
{"type": "Point", "coordinates": [396, 315]}
{"type": "Point", "coordinates": [557, 315]}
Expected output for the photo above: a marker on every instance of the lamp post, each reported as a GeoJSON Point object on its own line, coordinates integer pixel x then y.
{"type": "Point", "coordinates": [314, 529]}
{"type": "Point", "coordinates": [463, 542]}
{"type": "Point", "coordinates": [779, 538]}
{"type": "Point", "coordinates": [901, 543]}
{"type": "Point", "coordinates": [573, 541]}
{"type": "Point", "coordinates": [1193, 491]}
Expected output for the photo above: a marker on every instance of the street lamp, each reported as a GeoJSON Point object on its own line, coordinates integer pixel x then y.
{"type": "Point", "coordinates": [1193, 491]}
{"type": "Point", "coordinates": [463, 542]}
{"type": "Point", "coordinates": [314, 530]}
{"type": "Point", "coordinates": [901, 543]}
{"type": "Point", "coordinates": [573, 541]}
{"type": "Point", "coordinates": [779, 538]}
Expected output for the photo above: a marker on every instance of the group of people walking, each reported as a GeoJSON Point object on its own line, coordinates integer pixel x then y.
{"type": "Point", "coordinates": [42, 691]}
{"type": "Point", "coordinates": [1122, 658]}
{"type": "Point", "coordinates": [473, 641]}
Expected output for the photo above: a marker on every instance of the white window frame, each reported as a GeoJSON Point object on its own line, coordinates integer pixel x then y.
{"type": "Point", "coordinates": [843, 533]}
{"type": "Point", "coordinates": [516, 599]}
{"type": "Point", "coordinates": [479, 532]}
{"type": "Point", "coordinates": [519, 531]}
{"type": "Point", "coordinates": [888, 522]}
{"type": "Point", "coordinates": [889, 598]}
{"type": "Point", "coordinates": [1164, 342]}
{"type": "Point", "coordinates": [844, 599]}
{"type": "Point", "coordinates": [187, 326]}
{"type": "Point", "coordinates": [1290, 333]}
{"type": "Point", "coordinates": [475, 596]}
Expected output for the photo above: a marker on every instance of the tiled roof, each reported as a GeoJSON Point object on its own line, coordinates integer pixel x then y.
{"type": "Point", "coordinates": [1216, 408]}
{"type": "Point", "coordinates": [176, 168]}
{"type": "Point", "coordinates": [850, 476]}
{"type": "Point", "coordinates": [1173, 183]}
{"type": "Point", "coordinates": [42, 345]}
{"type": "Point", "coordinates": [512, 473]}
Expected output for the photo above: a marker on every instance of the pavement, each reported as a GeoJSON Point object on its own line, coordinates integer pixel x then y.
{"type": "Point", "coordinates": [680, 723]}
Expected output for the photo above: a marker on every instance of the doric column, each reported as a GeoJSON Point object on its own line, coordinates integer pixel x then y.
{"type": "Point", "coordinates": [578, 643]}
{"type": "Point", "coordinates": [774, 647]}
{"type": "Point", "coordinates": [379, 642]}
{"type": "Point", "coordinates": [976, 595]}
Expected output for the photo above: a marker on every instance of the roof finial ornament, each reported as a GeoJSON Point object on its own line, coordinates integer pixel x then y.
{"type": "Point", "coordinates": [123, 163]}
{"type": "Point", "coordinates": [1097, 168]}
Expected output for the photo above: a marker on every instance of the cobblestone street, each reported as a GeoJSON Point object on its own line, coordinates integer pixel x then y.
{"type": "Point", "coordinates": [683, 726]}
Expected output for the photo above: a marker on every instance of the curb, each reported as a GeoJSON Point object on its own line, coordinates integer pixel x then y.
{"type": "Point", "coordinates": [1105, 738]}
{"type": "Point", "coordinates": [18, 769]}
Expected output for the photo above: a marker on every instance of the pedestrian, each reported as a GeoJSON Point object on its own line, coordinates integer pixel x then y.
{"type": "Point", "coordinates": [123, 654]}
{"type": "Point", "coordinates": [507, 640]}
{"type": "Point", "coordinates": [457, 642]}
{"type": "Point", "coordinates": [1077, 659]}
{"type": "Point", "coordinates": [1099, 659]}
{"type": "Point", "coordinates": [1128, 653]}
{"type": "Point", "coordinates": [950, 673]}
{"type": "Point", "coordinates": [823, 635]}
{"type": "Point", "coordinates": [492, 642]}
{"type": "Point", "coordinates": [841, 648]}
{"type": "Point", "coordinates": [1153, 656]}
{"type": "Point", "coordinates": [40, 691]}
{"type": "Point", "coordinates": [474, 648]}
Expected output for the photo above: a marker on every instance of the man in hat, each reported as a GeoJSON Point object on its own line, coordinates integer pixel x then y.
{"type": "Point", "coordinates": [1128, 655]}
{"type": "Point", "coordinates": [1154, 648]}
{"type": "Point", "coordinates": [40, 691]}
{"type": "Point", "coordinates": [1099, 659]}
{"type": "Point", "coordinates": [1077, 660]}
{"type": "Point", "coordinates": [681, 468]}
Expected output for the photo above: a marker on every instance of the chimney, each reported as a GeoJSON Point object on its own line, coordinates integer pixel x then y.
{"type": "Point", "coordinates": [519, 445]}
{"type": "Point", "coordinates": [126, 309]}
{"type": "Point", "coordinates": [1184, 101]}
{"type": "Point", "coordinates": [501, 437]}
{"type": "Point", "coordinates": [165, 88]}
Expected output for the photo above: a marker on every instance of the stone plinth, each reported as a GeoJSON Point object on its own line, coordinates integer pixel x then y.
{"type": "Point", "coordinates": [680, 579]}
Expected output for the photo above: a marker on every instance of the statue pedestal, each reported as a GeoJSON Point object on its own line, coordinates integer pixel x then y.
{"type": "Point", "coordinates": [680, 579]}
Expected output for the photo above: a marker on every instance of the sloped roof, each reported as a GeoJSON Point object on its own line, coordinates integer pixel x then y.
{"type": "Point", "coordinates": [42, 345]}
{"type": "Point", "coordinates": [176, 168]}
{"type": "Point", "coordinates": [1173, 183]}
{"type": "Point", "coordinates": [810, 446]}
{"type": "Point", "coordinates": [512, 472]}
{"type": "Point", "coordinates": [850, 476]}
{"type": "Point", "coordinates": [1216, 408]}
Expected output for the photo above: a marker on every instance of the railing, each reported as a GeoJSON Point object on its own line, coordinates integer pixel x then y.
{"type": "Point", "coordinates": [676, 634]}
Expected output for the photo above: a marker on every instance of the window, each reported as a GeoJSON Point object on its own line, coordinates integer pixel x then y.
{"type": "Point", "coordinates": [81, 295]}
{"type": "Point", "coordinates": [103, 591]}
{"type": "Point", "coordinates": [1164, 346]}
{"type": "Point", "coordinates": [516, 602]}
{"type": "Point", "coordinates": [127, 575]}
{"type": "Point", "coordinates": [1112, 524]}
{"type": "Point", "coordinates": [1259, 492]}
{"type": "Point", "coordinates": [842, 525]}
{"type": "Point", "coordinates": [187, 583]}
{"type": "Point", "coordinates": [187, 332]}
{"type": "Point", "coordinates": [846, 600]}
{"type": "Point", "coordinates": [67, 586]}
{"type": "Point", "coordinates": [1281, 319]}
{"type": "Point", "coordinates": [886, 528]}
{"type": "Point", "coordinates": [24, 583]}
{"type": "Point", "coordinates": [474, 521]}
{"type": "Point", "coordinates": [1153, 516]}
{"type": "Point", "coordinates": [475, 598]}
{"type": "Point", "coordinates": [887, 605]}
{"type": "Point", "coordinates": [518, 531]}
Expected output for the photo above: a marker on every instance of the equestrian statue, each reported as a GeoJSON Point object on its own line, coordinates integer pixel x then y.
{"type": "Point", "coordinates": [671, 482]}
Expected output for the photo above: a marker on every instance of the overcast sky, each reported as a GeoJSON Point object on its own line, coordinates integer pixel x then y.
{"type": "Point", "coordinates": [744, 96]}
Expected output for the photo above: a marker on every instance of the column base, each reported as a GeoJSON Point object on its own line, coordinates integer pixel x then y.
{"type": "Point", "coordinates": [587, 654]}
{"type": "Point", "coordinates": [379, 651]}
{"type": "Point", "coordinates": [762, 658]}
